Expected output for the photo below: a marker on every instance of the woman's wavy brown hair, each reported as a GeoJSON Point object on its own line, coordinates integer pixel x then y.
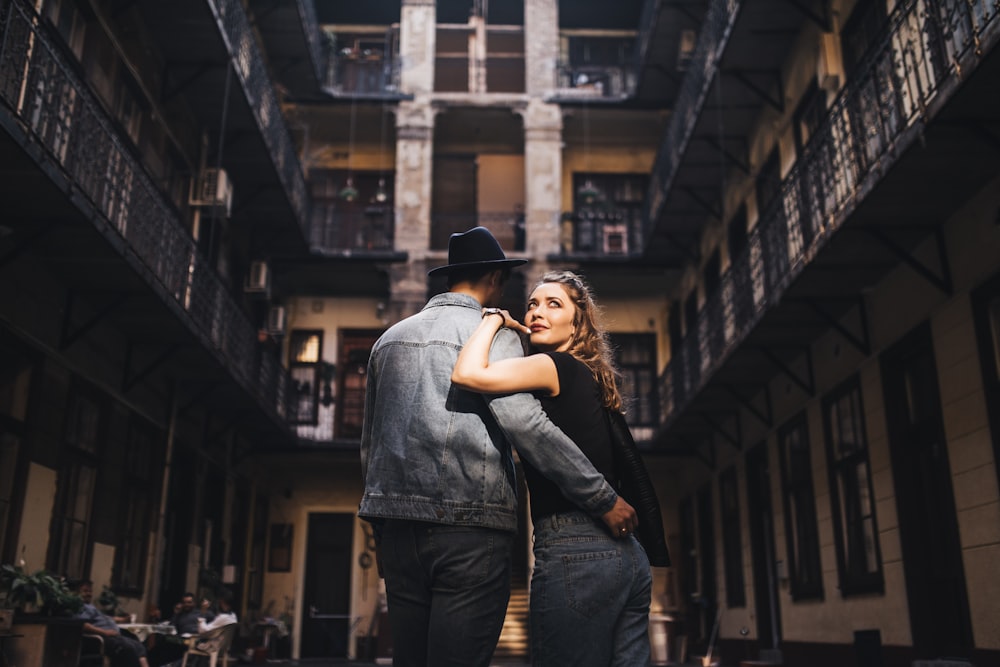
{"type": "Point", "coordinates": [590, 342]}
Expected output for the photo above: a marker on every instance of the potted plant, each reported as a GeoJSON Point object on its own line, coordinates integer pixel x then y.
{"type": "Point", "coordinates": [41, 592]}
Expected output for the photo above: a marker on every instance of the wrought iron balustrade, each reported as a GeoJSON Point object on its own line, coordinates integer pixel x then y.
{"type": "Point", "coordinates": [594, 81]}
{"type": "Point", "coordinates": [915, 67]}
{"type": "Point", "coordinates": [259, 92]}
{"type": "Point", "coordinates": [357, 74]}
{"type": "Point", "coordinates": [507, 227]}
{"type": "Point", "coordinates": [310, 26]}
{"type": "Point", "coordinates": [356, 231]}
{"type": "Point", "coordinates": [700, 73]}
{"type": "Point", "coordinates": [613, 233]}
{"type": "Point", "coordinates": [57, 117]}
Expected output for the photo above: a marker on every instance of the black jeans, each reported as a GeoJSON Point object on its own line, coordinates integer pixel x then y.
{"type": "Point", "coordinates": [447, 589]}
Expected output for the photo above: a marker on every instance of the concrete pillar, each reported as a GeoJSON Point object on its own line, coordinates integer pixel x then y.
{"type": "Point", "coordinates": [417, 39]}
{"type": "Point", "coordinates": [414, 162]}
{"type": "Point", "coordinates": [543, 182]}
{"type": "Point", "coordinates": [541, 46]}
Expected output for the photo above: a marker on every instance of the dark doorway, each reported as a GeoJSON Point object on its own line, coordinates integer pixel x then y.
{"type": "Point", "coordinates": [178, 523]}
{"type": "Point", "coordinates": [707, 603]}
{"type": "Point", "coordinates": [765, 580]}
{"type": "Point", "coordinates": [326, 617]}
{"type": "Point", "coordinates": [925, 503]}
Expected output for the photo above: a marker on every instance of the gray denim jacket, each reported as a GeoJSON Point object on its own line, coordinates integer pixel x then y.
{"type": "Point", "coordinates": [433, 452]}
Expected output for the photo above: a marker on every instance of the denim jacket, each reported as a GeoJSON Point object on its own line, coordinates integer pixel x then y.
{"type": "Point", "coordinates": [433, 452]}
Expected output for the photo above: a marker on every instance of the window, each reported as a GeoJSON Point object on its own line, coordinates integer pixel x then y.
{"type": "Point", "coordinates": [138, 501]}
{"type": "Point", "coordinates": [732, 540]}
{"type": "Point", "coordinates": [771, 222]}
{"type": "Point", "coordinates": [801, 531]}
{"type": "Point", "coordinates": [859, 560]}
{"type": "Point", "coordinates": [635, 355]}
{"type": "Point", "coordinates": [608, 212]}
{"type": "Point", "coordinates": [305, 355]}
{"type": "Point", "coordinates": [69, 537]}
{"type": "Point", "coordinates": [355, 348]}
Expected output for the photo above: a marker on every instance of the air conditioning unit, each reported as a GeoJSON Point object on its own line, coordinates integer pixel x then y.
{"type": "Point", "coordinates": [276, 321]}
{"type": "Point", "coordinates": [258, 278]}
{"type": "Point", "coordinates": [685, 49]}
{"type": "Point", "coordinates": [212, 189]}
{"type": "Point", "coordinates": [829, 63]}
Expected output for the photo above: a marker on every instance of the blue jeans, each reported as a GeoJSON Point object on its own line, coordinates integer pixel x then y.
{"type": "Point", "coordinates": [447, 589]}
{"type": "Point", "coordinates": [590, 595]}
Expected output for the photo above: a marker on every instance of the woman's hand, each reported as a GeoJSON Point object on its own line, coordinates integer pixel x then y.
{"type": "Point", "coordinates": [508, 321]}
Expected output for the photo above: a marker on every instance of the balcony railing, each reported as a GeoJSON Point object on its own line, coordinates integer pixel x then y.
{"type": "Point", "coordinates": [614, 234]}
{"type": "Point", "coordinates": [507, 227]}
{"type": "Point", "coordinates": [700, 72]}
{"type": "Point", "coordinates": [352, 232]}
{"type": "Point", "coordinates": [314, 42]}
{"type": "Point", "coordinates": [574, 81]}
{"type": "Point", "coordinates": [67, 132]}
{"type": "Point", "coordinates": [259, 92]}
{"type": "Point", "coordinates": [370, 72]}
{"type": "Point", "coordinates": [878, 114]}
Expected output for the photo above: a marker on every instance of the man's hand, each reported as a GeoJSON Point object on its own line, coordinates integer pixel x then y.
{"type": "Point", "coordinates": [621, 519]}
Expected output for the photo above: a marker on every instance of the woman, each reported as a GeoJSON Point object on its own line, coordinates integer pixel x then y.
{"type": "Point", "coordinates": [590, 590]}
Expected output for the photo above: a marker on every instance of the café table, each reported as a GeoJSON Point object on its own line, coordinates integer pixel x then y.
{"type": "Point", "coordinates": [142, 631]}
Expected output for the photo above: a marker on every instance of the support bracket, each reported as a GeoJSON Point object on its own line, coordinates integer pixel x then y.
{"type": "Point", "coordinates": [807, 383]}
{"type": "Point", "coordinates": [766, 416]}
{"type": "Point", "coordinates": [943, 281]}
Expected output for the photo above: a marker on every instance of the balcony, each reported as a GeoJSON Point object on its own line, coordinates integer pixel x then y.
{"type": "Point", "coordinates": [856, 174]}
{"type": "Point", "coordinates": [593, 83]}
{"type": "Point", "coordinates": [364, 65]}
{"type": "Point", "coordinates": [77, 166]}
{"type": "Point", "coordinates": [294, 43]}
{"type": "Point", "coordinates": [210, 48]}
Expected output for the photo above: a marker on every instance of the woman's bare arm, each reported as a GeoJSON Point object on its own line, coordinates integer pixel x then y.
{"type": "Point", "coordinates": [473, 370]}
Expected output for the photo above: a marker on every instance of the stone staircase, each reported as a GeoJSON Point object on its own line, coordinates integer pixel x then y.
{"type": "Point", "coordinates": [514, 636]}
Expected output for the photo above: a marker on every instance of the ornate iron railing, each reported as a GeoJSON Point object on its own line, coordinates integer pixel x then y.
{"type": "Point", "coordinates": [353, 72]}
{"type": "Point", "coordinates": [507, 227]}
{"type": "Point", "coordinates": [252, 73]}
{"type": "Point", "coordinates": [576, 81]}
{"type": "Point", "coordinates": [315, 43]}
{"type": "Point", "coordinates": [56, 116]}
{"type": "Point", "coordinates": [700, 73]}
{"type": "Point", "coordinates": [915, 67]}
{"type": "Point", "coordinates": [361, 231]}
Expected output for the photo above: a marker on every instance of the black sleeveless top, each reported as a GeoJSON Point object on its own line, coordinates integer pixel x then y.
{"type": "Point", "coordinates": [578, 411]}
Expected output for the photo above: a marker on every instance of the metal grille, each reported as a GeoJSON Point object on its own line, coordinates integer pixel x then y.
{"type": "Point", "coordinates": [914, 68]}
{"type": "Point", "coordinates": [69, 134]}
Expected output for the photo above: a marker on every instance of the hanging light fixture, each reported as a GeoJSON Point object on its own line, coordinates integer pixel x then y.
{"type": "Point", "coordinates": [381, 196]}
{"type": "Point", "coordinates": [587, 192]}
{"type": "Point", "coordinates": [349, 193]}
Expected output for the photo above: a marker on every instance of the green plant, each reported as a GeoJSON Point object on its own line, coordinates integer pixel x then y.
{"type": "Point", "coordinates": [41, 590]}
{"type": "Point", "coordinates": [108, 602]}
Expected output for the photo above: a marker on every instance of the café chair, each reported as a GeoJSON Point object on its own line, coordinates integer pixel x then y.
{"type": "Point", "coordinates": [92, 651]}
{"type": "Point", "coordinates": [213, 644]}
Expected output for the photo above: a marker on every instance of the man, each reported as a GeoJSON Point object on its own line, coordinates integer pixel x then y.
{"type": "Point", "coordinates": [439, 473]}
{"type": "Point", "coordinates": [185, 619]}
{"type": "Point", "coordinates": [123, 651]}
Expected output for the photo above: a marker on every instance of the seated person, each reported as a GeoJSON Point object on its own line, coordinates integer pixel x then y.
{"type": "Point", "coordinates": [208, 639]}
{"type": "Point", "coordinates": [185, 617]}
{"type": "Point", "coordinates": [123, 651]}
{"type": "Point", "coordinates": [221, 617]}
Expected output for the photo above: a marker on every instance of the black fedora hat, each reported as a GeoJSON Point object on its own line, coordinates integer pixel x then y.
{"type": "Point", "coordinates": [476, 247]}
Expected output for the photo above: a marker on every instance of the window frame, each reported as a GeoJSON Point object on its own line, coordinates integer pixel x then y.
{"type": "Point", "coordinates": [849, 537]}
{"type": "Point", "coordinates": [78, 457]}
{"type": "Point", "coordinates": [299, 370]}
{"type": "Point", "coordinates": [634, 375]}
{"type": "Point", "coordinates": [139, 491]}
{"type": "Point", "coordinates": [805, 574]}
{"type": "Point", "coordinates": [732, 538]}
